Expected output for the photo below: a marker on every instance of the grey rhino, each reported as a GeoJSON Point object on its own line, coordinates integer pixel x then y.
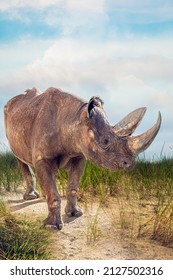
{"type": "Point", "coordinates": [54, 129]}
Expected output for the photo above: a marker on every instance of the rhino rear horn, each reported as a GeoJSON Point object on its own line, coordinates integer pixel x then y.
{"type": "Point", "coordinates": [138, 144]}
{"type": "Point", "coordinates": [95, 101]}
{"type": "Point", "coordinates": [129, 123]}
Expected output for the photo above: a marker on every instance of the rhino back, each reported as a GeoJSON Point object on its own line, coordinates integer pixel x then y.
{"type": "Point", "coordinates": [37, 124]}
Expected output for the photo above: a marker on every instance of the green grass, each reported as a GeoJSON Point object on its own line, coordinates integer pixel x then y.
{"type": "Point", "coordinates": [163, 223]}
{"type": "Point", "coordinates": [10, 177]}
{"type": "Point", "coordinates": [147, 178]}
{"type": "Point", "coordinates": [94, 176]}
{"type": "Point", "coordinates": [20, 239]}
{"type": "Point", "coordinates": [149, 181]}
{"type": "Point", "coordinates": [153, 178]}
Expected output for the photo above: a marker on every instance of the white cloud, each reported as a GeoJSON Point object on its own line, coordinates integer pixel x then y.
{"type": "Point", "coordinates": [14, 57]}
{"type": "Point", "coordinates": [71, 14]}
{"type": "Point", "coordinates": [108, 64]}
{"type": "Point", "coordinates": [125, 74]}
{"type": "Point", "coordinates": [96, 6]}
{"type": "Point", "coordinates": [73, 5]}
{"type": "Point", "coordinates": [66, 8]}
{"type": "Point", "coordinates": [66, 15]}
{"type": "Point", "coordinates": [35, 4]}
{"type": "Point", "coordinates": [105, 69]}
{"type": "Point", "coordinates": [166, 99]}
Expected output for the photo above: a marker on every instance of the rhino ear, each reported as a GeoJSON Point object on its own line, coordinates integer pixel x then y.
{"type": "Point", "coordinates": [95, 101]}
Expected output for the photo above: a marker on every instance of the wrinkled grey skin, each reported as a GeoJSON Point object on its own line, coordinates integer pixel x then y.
{"type": "Point", "coordinates": [53, 130]}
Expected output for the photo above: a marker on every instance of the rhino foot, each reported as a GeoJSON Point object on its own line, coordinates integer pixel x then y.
{"type": "Point", "coordinates": [52, 222]}
{"type": "Point", "coordinates": [74, 211]}
{"type": "Point", "coordinates": [59, 227]}
{"type": "Point", "coordinates": [31, 195]}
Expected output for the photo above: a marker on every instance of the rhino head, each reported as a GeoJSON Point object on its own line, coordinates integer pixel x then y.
{"type": "Point", "coordinates": [113, 147]}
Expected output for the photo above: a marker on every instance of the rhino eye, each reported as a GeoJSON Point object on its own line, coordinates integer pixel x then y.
{"type": "Point", "coordinates": [106, 141]}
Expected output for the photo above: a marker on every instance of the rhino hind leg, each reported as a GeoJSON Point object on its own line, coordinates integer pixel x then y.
{"type": "Point", "coordinates": [31, 192]}
{"type": "Point", "coordinates": [75, 171]}
{"type": "Point", "coordinates": [46, 175]}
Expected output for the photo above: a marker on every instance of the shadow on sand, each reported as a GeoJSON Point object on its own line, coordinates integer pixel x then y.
{"type": "Point", "coordinates": [21, 203]}
{"type": "Point", "coordinates": [18, 204]}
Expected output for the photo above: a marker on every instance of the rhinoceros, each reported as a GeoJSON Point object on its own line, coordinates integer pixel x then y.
{"type": "Point", "coordinates": [54, 129]}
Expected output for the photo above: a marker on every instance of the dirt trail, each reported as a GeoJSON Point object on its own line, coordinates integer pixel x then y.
{"type": "Point", "coordinates": [95, 235]}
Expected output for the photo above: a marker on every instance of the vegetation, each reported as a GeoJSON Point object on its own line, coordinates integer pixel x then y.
{"type": "Point", "coordinates": [149, 183]}
{"type": "Point", "coordinates": [20, 239]}
{"type": "Point", "coordinates": [10, 177]}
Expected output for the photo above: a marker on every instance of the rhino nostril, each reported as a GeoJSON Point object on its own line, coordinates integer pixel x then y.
{"type": "Point", "coordinates": [125, 164]}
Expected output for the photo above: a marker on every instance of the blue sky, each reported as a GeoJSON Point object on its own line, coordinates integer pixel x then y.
{"type": "Point", "coordinates": [120, 50]}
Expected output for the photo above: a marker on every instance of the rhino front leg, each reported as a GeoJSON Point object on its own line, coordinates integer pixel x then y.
{"type": "Point", "coordinates": [31, 192]}
{"type": "Point", "coordinates": [46, 174]}
{"type": "Point", "coordinates": [75, 171]}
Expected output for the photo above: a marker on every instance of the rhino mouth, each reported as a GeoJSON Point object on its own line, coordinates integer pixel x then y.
{"type": "Point", "coordinates": [112, 161]}
{"type": "Point", "coordinates": [119, 162]}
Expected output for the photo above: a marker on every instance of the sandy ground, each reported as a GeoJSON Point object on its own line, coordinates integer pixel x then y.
{"type": "Point", "coordinates": [98, 234]}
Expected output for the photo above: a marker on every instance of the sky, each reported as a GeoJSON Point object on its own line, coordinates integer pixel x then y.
{"type": "Point", "coordinates": [120, 50]}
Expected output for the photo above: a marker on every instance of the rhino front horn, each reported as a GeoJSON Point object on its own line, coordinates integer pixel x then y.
{"type": "Point", "coordinates": [138, 144]}
{"type": "Point", "coordinates": [129, 123]}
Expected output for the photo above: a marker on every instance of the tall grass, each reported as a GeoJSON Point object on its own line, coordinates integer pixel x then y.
{"type": "Point", "coordinates": [20, 239]}
{"type": "Point", "coordinates": [149, 181]}
{"type": "Point", "coordinates": [147, 178]}
{"type": "Point", "coordinates": [10, 177]}
{"type": "Point", "coordinates": [94, 177]}
{"type": "Point", "coordinates": [154, 178]}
